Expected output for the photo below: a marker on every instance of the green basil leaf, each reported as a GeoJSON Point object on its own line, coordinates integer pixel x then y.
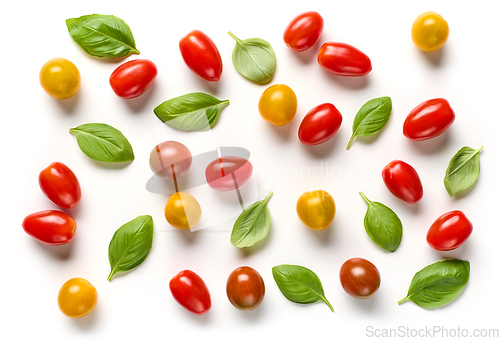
{"type": "Point", "coordinates": [382, 225]}
{"type": "Point", "coordinates": [102, 142]}
{"type": "Point", "coordinates": [191, 112]}
{"type": "Point", "coordinates": [463, 170]}
{"type": "Point", "coordinates": [438, 283]}
{"type": "Point", "coordinates": [130, 245]}
{"type": "Point", "coordinates": [371, 118]}
{"type": "Point", "coordinates": [299, 284]}
{"type": "Point", "coordinates": [254, 59]}
{"type": "Point", "coordinates": [102, 35]}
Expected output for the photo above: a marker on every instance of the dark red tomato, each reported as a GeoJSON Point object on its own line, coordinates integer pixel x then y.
{"type": "Point", "coordinates": [245, 288]}
{"type": "Point", "coordinates": [50, 227]}
{"type": "Point", "coordinates": [60, 185]}
{"type": "Point", "coordinates": [344, 60]}
{"type": "Point", "coordinates": [201, 55]}
{"type": "Point", "coordinates": [359, 278]}
{"type": "Point", "coordinates": [428, 119]}
{"type": "Point", "coordinates": [303, 31]}
{"type": "Point", "coordinates": [191, 292]}
{"type": "Point", "coordinates": [133, 78]}
{"type": "Point", "coordinates": [449, 231]}
{"type": "Point", "coordinates": [320, 124]}
{"type": "Point", "coordinates": [228, 173]}
{"type": "Point", "coordinates": [403, 181]}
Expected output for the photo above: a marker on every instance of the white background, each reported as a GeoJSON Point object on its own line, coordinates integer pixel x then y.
{"type": "Point", "coordinates": [139, 304]}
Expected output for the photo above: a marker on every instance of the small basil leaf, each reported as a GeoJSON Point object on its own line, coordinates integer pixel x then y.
{"type": "Point", "coordinates": [382, 225]}
{"type": "Point", "coordinates": [371, 118]}
{"type": "Point", "coordinates": [130, 245]}
{"type": "Point", "coordinates": [191, 112]}
{"type": "Point", "coordinates": [438, 283]}
{"type": "Point", "coordinates": [102, 142]}
{"type": "Point", "coordinates": [299, 284]}
{"type": "Point", "coordinates": [102, 35]}
{"type": "Point", "coordinates": [463, 170]}
{"type": "Point", "coordinates": [254, 59]}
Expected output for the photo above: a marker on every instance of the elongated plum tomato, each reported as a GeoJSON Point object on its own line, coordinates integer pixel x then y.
{"type": "Point", "coordinates": [133, 78]}
{"type": "Point", "coordinates": [182, 211]}
{"type": "Point", "coordinates": [359, 278]}
{"type": "Point", "coordinates": [170, 158]}
{"type": "Point", "coordinates": [429, 31]}
{"type": "Point", "coordinates": [50, 227]}
{"type": "Point", "coordinates": [228, 173]}
{"type": "Point", "coordinates": [344, 60]}
{"type": "Point", "coordinates": [60, 185]}
{"type": "Point", "coordinates": [278, 104]}
{"type": "Point", "coordinates": [320, 124]}
{"type": "Point", "coordinates": [201, 55]}
{"type": "Point", "coordinates": [191, 292]}
{"type": "Point", "coordinates": [60, 78]}
{"type": "Point", "coordinates": [403, 181]}
{"type": "Point", "coordinates": [316, 209]}
{"type": "Point", "coordinates": [77, 298]}
{"type": "Point", "coordinates": [245, 288]}
{"type": "Point", "coordinates": [429, 119]}
{"type": "Point", "coordinates": [449, 231]}
{"type": "Point", "coordinates": [303, 31]}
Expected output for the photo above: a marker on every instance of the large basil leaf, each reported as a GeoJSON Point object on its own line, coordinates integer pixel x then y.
{"type": "Point", "coordinates": [102, 142]}
{"type": "Point", "coordinates": [254, 59]}
{"type": "Point", "coordinates": [299, 284]}
{"type": "Point", "coordinates": [371, 118]}
{"type": "Point", "coordinates": [130, 245]}
{"type": "Point", "coordinates": [463, 170]}
{"type": "Point", "coordinates": [438, 283]}
{"type": "Point", "coordinates": [382, 225]}
{"type": "Point", "coordinates": [191, 112]}
{"type": "Point", "coordinates": [102, 35]}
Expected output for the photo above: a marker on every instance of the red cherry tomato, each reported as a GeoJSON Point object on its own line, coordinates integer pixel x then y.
{"type": "Point", "coordinates": [449, 231]}
{"type": "Point", "coordinates": [201, 55]}
{"type": "Point", "coordinates": [245, 288]}
{"type": "Point", "coordinates": [228, 173]}
{"type": "Point", "coordinates": [403, 181]}
{"type": "Point", "coordinates": [133, 78]}
{"type": "Point", "coordinates": [50, 227]}
{"type": "Point", "coordinates": [359, 278]}
{"type": "Point", "coordinates": [303, 31]}
{"type": "Point", "coordinates": [191, 292]}
{"type": "Point", "coordinates": [60, 185]}
{"type": "Point", "coordinates": [320, 124]}
{"type": "Point", "coordinates": [428, 119]}
{"type": "Point", "coordinates": [344, 60]}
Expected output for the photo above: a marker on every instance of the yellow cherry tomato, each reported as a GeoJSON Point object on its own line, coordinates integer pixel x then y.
{"type": "Point", "coordinates": [278, 104]}
{"type": "Point", "coordinates": [429, 31]}
{"type": "Point", "coordinates": [60, 78]}
{"type": "Point", "coordinates": [316, 209]}
{"type": "Point", "coordinates": [77, 298]}
{"type": "Point", "coordinates": [182, 211]}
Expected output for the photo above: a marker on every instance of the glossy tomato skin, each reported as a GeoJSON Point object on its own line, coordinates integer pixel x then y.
{"type": "Point", "coordinates": [60, 185]}
{"type": "Point", "coordinates": [50, 227]}
{"type": "Point", "coordinates": [60, 78]}
{"type": "Point", "coordinates": [191, 292]}
{"type": "Point", "coordinates": [429, 31]}
{"type": "Point", "coordinates": [245, 288]}
{"type": "Point", "coordinates": [133, 78]}
{"type": "Point", "coordinates": [77, 298]}
{"type": "Point", "coordinates": [303, 31]}
{"type": "Point", "coordinates": [429, 119]}
{"type": "Point", "coordinates": [201, 55]}
{"type": "Point", "coordinates": [403, 181]}
{"type": "Point", "coordinates": [320, 124]}
{"type": "Point", "coordinates": [359, 278]}
{"type": "Point", "coordinates": [170, 159]}
{"type": "Point", "coordinates": [182, 211]}
{"type": "Point", "coordinates": [316, 209]}
{"type": "Point", "coordinates": [278, 104]}
{"type": "Point", "coordinates": [228, 173]}
{"type": "Point", "coordinates": [449, 231]}
{"type": "Point", "coordinates": [344, 60]}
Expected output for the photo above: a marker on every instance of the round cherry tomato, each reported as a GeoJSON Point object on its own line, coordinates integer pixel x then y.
{"type": "Point", "coordinates": [245, 288]}
{"type": "Point", "coordinates": [303, 31]}
{"type": "Point", "coordinates": [189, 290]}
{"type": "Point", "coordinates": [201, 55]}
{"type": "Point", "coordinates": [428, 120]}
{"type": "Point", "coordinates": [403, 181]}
{"type": "Point", "coordinates": [316, 209]}
{"type": "Point", "coordinates": [228, 173]}
{"type": "Point", "coordinates": [77, 298]}
{"type": "Point", "coordinates": [50, 227]}
{"type": "Point", "coordinates": [60, 185]}
{"type": "Point", "coordinates": [60, 78]}
{"type": "Point", "coordinates": [449, 231]}
{"type": "Point", "coordinates": [429, 31]}
{"type": "Point", "coordinates": [182, 211]}
{"type": "Point", "coordinates": [320, 124]}
{"type": "Point", "coordinates": [344, 60]}
{"type": "Point", "coordinates": [278, 104]}
{"type": "Point", "coordinates": [169, 158]}
{"type": "Point", "coordinates": [133, 78]}
{"type": "Point", "coordinates": [359, 278]}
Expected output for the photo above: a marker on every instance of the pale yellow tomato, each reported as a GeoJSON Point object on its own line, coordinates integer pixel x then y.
{"type": "Point", "coordinates": [182, 211]}
{"type": "Point", "coordinates": [77, 298]}
{"type": "Point", "coordinates": [278, 104]}
{"type": "Point", "coordinates": [316, 209]}
{"type": "Point", "coordinates": [429, 31]}
{"type": "Point", "coordinates": [60, 78]}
